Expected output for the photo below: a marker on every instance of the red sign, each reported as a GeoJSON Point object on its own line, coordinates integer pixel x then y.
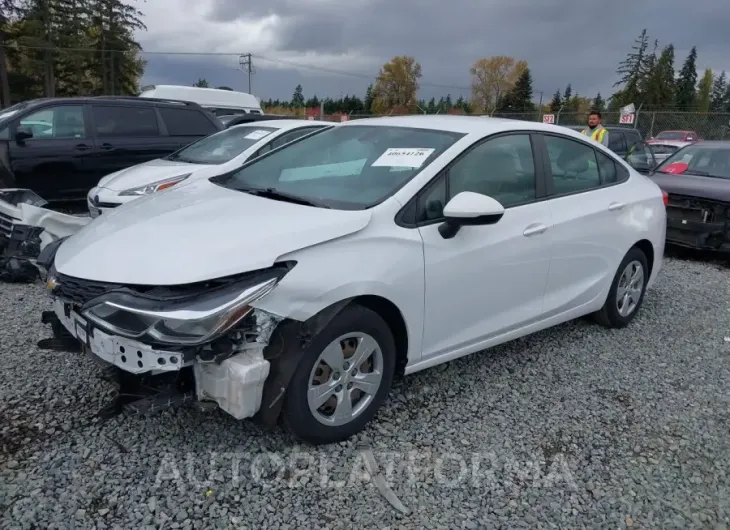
{"type": "Point", "coordinates": [548, 118]}
{"type": "Point", "coordinates": [676, 168]}
{"type": "Point", "coordinates": [626, 119]}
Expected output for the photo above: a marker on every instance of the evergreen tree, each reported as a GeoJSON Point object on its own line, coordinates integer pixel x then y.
{"type": "Point", "coordinates": [557, 102]}
{"type": "Point", "coordinates": [661, 88]}
{"type": "Point", "coordinates": [687, 81]}
{"type": "Point", "coordinates": [704, 91]}
{"type": "Point", "coordinates": [719, 88]}
{"type": "Point", "coordinates": [297, 99]}
{"type": "Point", "coordinates": [726, 99]}
{"type": "Point", "coordinates": [368, 103]}
{"type": "Point", "coordinates": [632, 69]}
{"type": "Point", "coordinates": [521, 94]}
{"type": "Point", "coordinates": [598, 103]}
{"type": "Point", "coordinates": [567, 94]}
{"type": "Point", "coordinates": [201, 83]}
{"type": "Point", "coordinates": [431, 106]}
{"type": "Point", "coordinates": [448, 104]}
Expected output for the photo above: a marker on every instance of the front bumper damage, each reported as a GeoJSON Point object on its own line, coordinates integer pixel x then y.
{"type": "Point", "coordinates": [698, 223]}
{"type": "Point", "coordinates": [26, 228]}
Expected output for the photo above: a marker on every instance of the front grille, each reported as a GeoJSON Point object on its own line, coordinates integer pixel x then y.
{"type": "Point", "coordinates": [6, 225]}
{"type": "Point", "coordinates": [106, 204]}
{"type": "Point", "coordinates": [77, 291]}
{"type": "Point", "coordinates": [695, 210]}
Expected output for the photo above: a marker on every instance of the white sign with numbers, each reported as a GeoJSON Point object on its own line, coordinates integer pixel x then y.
{"type": "Point", "coordinates": [548, 118]}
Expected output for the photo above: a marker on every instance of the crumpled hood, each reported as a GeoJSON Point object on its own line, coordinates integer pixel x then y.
{"type": "Point", "coordinates": [147, 173]}
{"type": "Point", "coordinates": [715, 189]}
{"type": "Point", "coordinates": [195, 232]}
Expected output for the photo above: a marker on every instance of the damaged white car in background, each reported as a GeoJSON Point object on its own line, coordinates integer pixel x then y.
{"type": "Point", "coordinates": [26, 227]}
{"type": "Point", "coordinates": [298, 286]}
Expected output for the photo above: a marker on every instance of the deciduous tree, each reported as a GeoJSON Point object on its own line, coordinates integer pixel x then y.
{"type": "Point", "coordinates": [396, 86]}
{"type": "Point", "coordinates": [704, 91]}
{"type": "Point", "coordinates": [492, 79]}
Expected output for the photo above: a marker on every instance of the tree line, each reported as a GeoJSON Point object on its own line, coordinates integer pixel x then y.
{"type": "Point", "coordinates": [500, 84]}
{"type": "Point", "coordinates": [56, 48]}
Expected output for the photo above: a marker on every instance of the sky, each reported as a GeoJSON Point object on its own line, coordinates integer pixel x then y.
{"type": "Point", "coordinates": [336, 47]}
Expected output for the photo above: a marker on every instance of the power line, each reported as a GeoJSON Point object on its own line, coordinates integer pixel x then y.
{"type": "Point", "coordinates": [249, 55]}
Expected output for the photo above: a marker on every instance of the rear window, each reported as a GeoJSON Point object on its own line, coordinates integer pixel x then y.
{"type": "Point", "coordinates": [670, 135]}
{"type": "Point", "coordinates": [120, 121]}
{"type": "Point", "coordinates": [660, 149]}
{"type": "Point", "coordinates": [186, 122]}
{"type": "Point", "coordinates": [616, 141]}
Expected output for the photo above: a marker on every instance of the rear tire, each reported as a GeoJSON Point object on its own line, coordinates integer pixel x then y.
{"type": "Point", "coordinates": [627, 291]}
{"type": "Point", "coordinates": [350, 390]}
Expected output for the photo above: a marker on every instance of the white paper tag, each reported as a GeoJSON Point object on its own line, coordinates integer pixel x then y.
{"type": "Point", "coordinates": [403, 157]}
{"type": "Point", "coordinates": [257, 135]}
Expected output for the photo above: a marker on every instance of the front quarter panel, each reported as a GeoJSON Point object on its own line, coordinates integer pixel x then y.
{"type": "Point", "coordinates": [382, 260]}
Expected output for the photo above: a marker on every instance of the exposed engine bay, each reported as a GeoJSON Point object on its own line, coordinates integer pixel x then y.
{"type": "Point", "coordinates": [698, 223]}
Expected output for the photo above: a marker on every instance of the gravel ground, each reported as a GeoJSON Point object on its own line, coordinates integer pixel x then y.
{"type": "Point", "coordinates": [574, 427]}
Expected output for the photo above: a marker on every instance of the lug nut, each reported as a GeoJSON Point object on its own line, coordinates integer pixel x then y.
{"type": "Point", "coordinates": [349, 386]}
{"type": "Point", "coordinates": [339, 388]}
{"type": "Point", "coordinates": [336, 375]}
{"type": "Point", "coordinates": [346, 366]}
{"type": "Point", "coordinates": [353, 373]}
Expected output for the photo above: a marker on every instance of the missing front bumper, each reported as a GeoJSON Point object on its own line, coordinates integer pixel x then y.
{"type": "Point", "coordinates": [698, 235]}
{"type": "Point", "coordinates": [234, 383]}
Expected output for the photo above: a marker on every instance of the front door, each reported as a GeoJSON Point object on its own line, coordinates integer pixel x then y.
{"type": "Point", "coordinates": [56, 161]}
{"type": "Point", "coordinates": [487, 280]}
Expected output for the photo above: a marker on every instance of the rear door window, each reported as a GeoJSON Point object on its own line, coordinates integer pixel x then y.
{"type": "Point", "coordinates": [186, 122]}
{"type": "Point", "coordinates": [115, 121]}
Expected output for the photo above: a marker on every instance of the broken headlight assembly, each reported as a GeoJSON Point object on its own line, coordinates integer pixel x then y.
{"type": "Point", "coordinates": [155, 186]}
{"type": "Point", "coordinates": [179, 320]}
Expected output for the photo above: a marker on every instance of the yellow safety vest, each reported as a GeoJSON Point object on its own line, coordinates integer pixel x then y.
{"type": "Point", "coordinates": [597, 135]}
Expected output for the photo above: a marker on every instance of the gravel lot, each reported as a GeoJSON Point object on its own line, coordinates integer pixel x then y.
{"type": "Point", "coordinates": [574, 427]}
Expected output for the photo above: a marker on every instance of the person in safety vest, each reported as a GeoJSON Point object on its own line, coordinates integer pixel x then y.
{"type": "Point", "coordinates": [595, 130]}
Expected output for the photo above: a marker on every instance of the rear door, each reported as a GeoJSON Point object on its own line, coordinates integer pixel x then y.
{"type": "Point", "coordinates": [185, 126]}
{"type": "Point", "coordinates": [57, 161]}
{"type": "Point", "coordinates": [126, 135]}
{"type": "Point", "coordinates": [592, 227]}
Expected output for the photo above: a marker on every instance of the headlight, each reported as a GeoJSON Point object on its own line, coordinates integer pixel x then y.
{"type": "Point", "coordinates": [187, 321]}
{"type": "Point", "coordinates": [155, 186]}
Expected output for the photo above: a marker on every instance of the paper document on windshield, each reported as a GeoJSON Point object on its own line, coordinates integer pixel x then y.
{"type": "Point", "coordinates": [256, 135]}
{"type": "Point", "coordinates": [403, 157]}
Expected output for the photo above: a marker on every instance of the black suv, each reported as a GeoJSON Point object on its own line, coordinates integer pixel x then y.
{"type": "Point", "coordinates": [620, 139]}
{"type": "Point", "coordinates": [61, 147]}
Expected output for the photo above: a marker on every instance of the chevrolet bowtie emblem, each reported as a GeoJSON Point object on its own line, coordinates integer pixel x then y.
{"type": "Point", "coordinates": [51, 284]}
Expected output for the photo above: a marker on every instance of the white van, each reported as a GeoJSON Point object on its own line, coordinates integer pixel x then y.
{"type": "Point", "coordinates": [219, 102]}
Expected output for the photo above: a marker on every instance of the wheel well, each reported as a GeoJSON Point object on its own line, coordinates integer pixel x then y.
{"type": "Point", "coordinates": [648, 249]}
{"type": "Point", "coordinates": [392, 316]}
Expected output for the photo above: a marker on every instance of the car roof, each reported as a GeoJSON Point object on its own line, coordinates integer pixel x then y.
{"type": "Point", "coordinates": [280, 124]}
{"type": "Point", "coordinates": [711, 144]}
{"type": "Point", "coordinates": [482, 125]}
{"type": "Point", "coordinates": [123, 100]}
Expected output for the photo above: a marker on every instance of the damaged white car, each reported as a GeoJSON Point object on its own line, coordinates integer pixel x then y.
{"type": "Point", "coordinates": [298, 286]}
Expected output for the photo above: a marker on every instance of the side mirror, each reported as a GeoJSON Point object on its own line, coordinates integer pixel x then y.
{"type": "Point", "coordinates": [469, 209]}
{"type": "Point", "coordinates": [23, 134]}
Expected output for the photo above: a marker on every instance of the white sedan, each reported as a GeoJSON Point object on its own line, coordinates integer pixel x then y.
{"type": "Point", "coordinates": [212, 155]}
{"type": "Point", "coordinates": [298, 286]}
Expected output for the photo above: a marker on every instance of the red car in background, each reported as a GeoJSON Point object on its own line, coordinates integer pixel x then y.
{"type": "Point", "coordinates": [677, 136]}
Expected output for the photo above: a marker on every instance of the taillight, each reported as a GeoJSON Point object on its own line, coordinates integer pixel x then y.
{"type": "Point", "coordinates": [665, 198]}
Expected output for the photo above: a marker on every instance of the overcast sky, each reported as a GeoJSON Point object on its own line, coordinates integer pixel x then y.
{"type": "Point", "coordinates": [564, 41]}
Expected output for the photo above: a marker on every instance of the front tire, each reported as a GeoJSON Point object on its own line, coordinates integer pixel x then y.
{"type": "Point", "coordinates": [627, 291]}
{"type": "Point", "coordinates": [343, 378]}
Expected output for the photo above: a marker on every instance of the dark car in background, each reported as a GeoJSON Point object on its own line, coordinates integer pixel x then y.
{"type": "Point", "coordinates": [620, 139]}
{"type": "Point", "coordinates": [697, 180]}
{"type": "Point", "coordinates": [61, 147]}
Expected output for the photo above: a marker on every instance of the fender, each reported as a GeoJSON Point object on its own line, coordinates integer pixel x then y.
{"type": "Point", "coordinates": [283, 363]}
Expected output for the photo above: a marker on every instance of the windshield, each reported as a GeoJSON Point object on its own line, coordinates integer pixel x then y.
{"type": "Point", "coordinates": [670, 135]}
{"type": "Point", "coordinates": [349, 167]}
{"type": "Point", "coordinates": [701, 160]}
{"type": "Point", "coordinates": [222, 146]}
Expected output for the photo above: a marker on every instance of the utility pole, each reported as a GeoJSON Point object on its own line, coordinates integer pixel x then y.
{"type": "Point", "coordinates": [245, 61]}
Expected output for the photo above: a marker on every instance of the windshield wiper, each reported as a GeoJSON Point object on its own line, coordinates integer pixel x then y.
{"type": "Point", "coordinates": [273, 193]}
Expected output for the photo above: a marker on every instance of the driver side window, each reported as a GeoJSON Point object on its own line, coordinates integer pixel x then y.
{"type": "Point", "coordinates": [573, 165]}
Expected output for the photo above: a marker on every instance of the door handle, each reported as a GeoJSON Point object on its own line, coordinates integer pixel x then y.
{"type": "Point", "coordinates": [616, 206]}
{"type": "Point", "coordinates": [535, 229]}
{"type": "Point", "coordinates": [83, 147]}
{"type": "Point", "coordinates": [106, 146]}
